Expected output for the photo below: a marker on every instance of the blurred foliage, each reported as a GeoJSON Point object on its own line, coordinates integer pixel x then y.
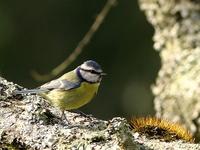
{"type": "Point", "coordinates": [41, 34]}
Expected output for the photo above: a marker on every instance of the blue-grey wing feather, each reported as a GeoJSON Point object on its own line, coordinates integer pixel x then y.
{"type": "Point", "coordinates": [55, 84]}
{"type": "Point", "coordinates": [61, 84]}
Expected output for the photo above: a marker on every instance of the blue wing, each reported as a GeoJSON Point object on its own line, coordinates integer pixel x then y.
{"type": "Point", "coordinates": [55, 84]}
{"type": "Point", "coordinates": [61, 84]}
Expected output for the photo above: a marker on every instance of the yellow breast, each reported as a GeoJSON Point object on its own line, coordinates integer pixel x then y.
{"type": "Point", "coordinates": [74, 98]}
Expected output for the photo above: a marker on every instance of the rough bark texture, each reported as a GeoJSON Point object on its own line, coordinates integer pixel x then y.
{"type": "Point", "coordinates": [177, 38]}
{"type": "Point", "coordinates": [29, 122]}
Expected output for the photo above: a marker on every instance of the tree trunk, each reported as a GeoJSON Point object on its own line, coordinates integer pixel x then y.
{"type": "Point", "coordinates": [177, 39]}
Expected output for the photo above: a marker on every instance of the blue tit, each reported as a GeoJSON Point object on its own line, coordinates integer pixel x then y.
{"type": "Point", "coordinates": [73, 89]}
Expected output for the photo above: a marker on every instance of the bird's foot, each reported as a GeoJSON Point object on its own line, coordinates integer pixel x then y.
{"type": "Point", "coordinates": [80, 113]}
{"type": "Point", "coordinates": [63, 117]}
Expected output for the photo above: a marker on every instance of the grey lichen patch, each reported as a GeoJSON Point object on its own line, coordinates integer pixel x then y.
{"type": "Point", "coordinates": [6, 89]}
{"type": "Point", "coordinates": [119, 127]}
{"type": "Point", "coordinates": [115, 135]}
{"type": "Point", "coordinates": [157, 145]}
{"type": "Point", "coordinates": [175, 22]}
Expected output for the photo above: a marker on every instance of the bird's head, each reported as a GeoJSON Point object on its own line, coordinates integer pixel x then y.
{"type": "Point", "coordinates": [90, 71]}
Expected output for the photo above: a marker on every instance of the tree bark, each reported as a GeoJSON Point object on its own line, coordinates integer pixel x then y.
{"type": "Point", "coordinates": [177, 39]}
{"type": "Point", "coordinates": [30, 122]}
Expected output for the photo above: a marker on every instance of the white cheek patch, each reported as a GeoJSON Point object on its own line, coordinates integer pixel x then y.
{"type": "Point", "coordinates": [93, 77]}
{"type": "Point", "coordinates": [88, 76]}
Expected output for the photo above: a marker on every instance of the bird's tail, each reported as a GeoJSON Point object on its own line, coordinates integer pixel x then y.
{"type": "Point", "coordinates": [31, 91]}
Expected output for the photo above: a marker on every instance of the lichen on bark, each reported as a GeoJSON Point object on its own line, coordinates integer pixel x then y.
{"type": "Point", "coordinates": [177, 39]}
{"type": "Point", "coordinates": [30, 122]}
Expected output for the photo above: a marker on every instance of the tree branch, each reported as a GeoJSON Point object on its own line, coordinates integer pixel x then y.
{"type": "Point", "coordinates": [81, 45]}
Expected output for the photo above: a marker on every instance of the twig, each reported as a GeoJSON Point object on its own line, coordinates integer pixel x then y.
{"type": "Point", "coordinates": [77, 51]}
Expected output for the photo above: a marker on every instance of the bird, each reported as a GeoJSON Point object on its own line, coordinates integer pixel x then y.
{"type": "Point", "coordinates": [72, 90]}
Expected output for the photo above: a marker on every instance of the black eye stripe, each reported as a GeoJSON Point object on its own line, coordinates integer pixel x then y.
{"type": "Point", "coordinates": [91, 71]}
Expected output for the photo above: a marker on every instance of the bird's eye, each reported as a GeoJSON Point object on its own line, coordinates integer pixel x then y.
{"type": "Point", "coordinates": [94, 72]}
{"type": "Point", "coordinates": [91, 71]}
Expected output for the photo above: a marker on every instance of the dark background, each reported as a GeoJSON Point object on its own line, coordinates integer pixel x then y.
{"type": "Point", "coordinates": [41, 34]}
